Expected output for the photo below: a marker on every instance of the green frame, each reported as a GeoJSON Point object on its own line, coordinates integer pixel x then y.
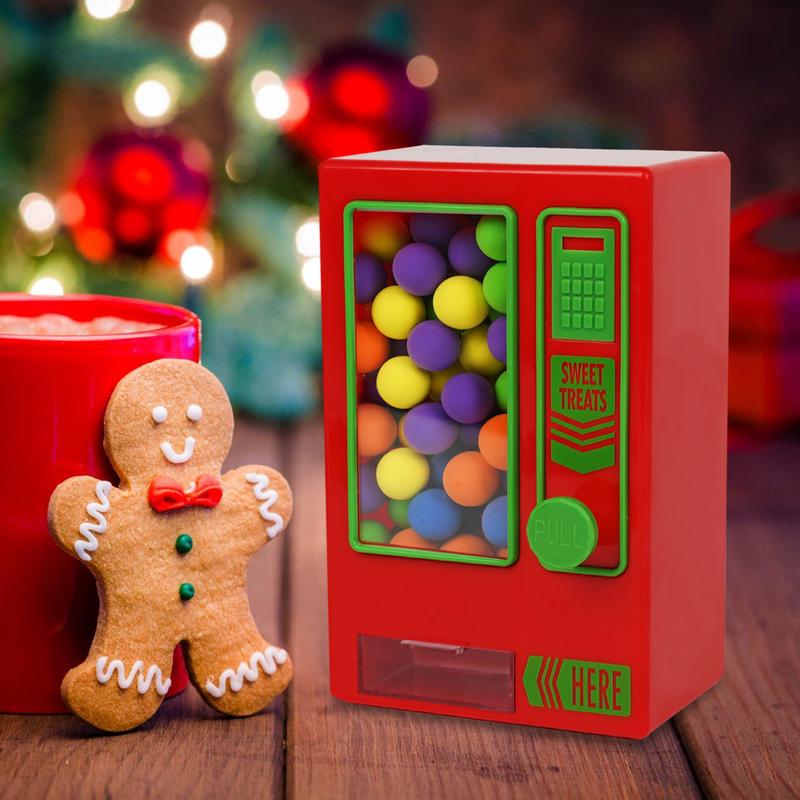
{"type": "Point", "coordinates": [511, 368]}
{"type": "Point", "coordinates": [624, 374]}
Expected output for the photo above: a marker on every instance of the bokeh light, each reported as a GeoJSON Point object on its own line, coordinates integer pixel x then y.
{"type": "Point", "coordinates": [152, 99]}
{"type": "Point", "coordinates": [306, 239]}
{"type": "Point", "coordinates": [208, 39]}
{"type": "Point", "coordinates": [422, 71]}
{"type": "Point", "coordinates": [38, 213]}
{"type": "Point", "coordinates": [103, 9]}
{"type": "Point", "coordinates": [196, 263]}
{"type": "Point", "coordinates": [311, 274]}
{"type": "Point", "coordinates": [272, 101]}
{"type": "Point", "coordinates": [46, 286]}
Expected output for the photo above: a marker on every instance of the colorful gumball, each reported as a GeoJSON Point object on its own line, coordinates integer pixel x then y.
{"type": "Point", "coordinates": [494, 287]}
{"type": "Point", "coordinates": [428, 429]}
{"type": "Point", "coordinates": [435, 229]}
{"type": "Point", "coordinates": [501, 390]}
{"type": "Point", "coordinates": [475, 353]}
{"type": "Point", "coordinates": [493, 441]}
{"type": "Point", "coordinates": [370, 277]}
{"type": "Point", "coordinates": [468, 544]}
{"type": "Point", "coordinates": [490, 235]}
{"type": "Point", "coordinates": [433, 345]}
{"type": "Point", "coordinates": [401, 383]}
{"type": "Point", "coordinates": [402, 473]}
{"type": "Point", "coordinates": [502, 552]}
{"type": "Point", "coordinates": [466, 397]}
{"type": "Point", "coordinates": [495, 521]}
{"type": "Point", "coordinates": [382, 234]}
{"type": "Point", "coordinates": [370, 497]}
{"type": "Point", "coordinates": [465, 256]}
{"type": "Point", "coordinates": [439, 379]}
{"type": "Point", "coordinates": [496, 339]}
{"type": "Point", "coordinates": [398, 511]}
{"type": "Point", "coordinates": [459, 302]}
{"type": "Point", "coordinates": [419, 268]}
{"type": "Point", "coordinates": [377, 429]}
{"type": "Point", "coordinates": [434, 515]}
{"type": "Point", "coordinates": [468, 479]}
{"type": "Point", "coordinates": [372, 532]}
{"type": "Point", "coordinates": [410, 538]}
{"type": "Point", "coordinates": [372, 347]}
{"type": "Point", "coordinates": [395, 312]}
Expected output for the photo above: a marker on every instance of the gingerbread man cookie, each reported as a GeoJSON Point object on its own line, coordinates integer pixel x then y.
{"type": "Point", "coordinates": [169, 549]}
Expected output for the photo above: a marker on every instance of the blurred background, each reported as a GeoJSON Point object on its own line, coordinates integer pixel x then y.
{"type": "Point", "coordinates": [168, 150]}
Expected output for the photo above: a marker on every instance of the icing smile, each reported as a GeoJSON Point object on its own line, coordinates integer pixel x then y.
{"type": "Point", "coordinates": [178, 458]}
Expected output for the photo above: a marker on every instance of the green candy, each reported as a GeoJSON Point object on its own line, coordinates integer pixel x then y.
{"type": "Point", "coordinates": [372, 532]}
{"type": "Point", "coordinates": [398, 511]}
{"type": "Point", "coordinates": [186, 591]}
{"type": "Point", "coordinates": [494, 287]}
{"type": "Point", "coordinates": [501, 390]}
{"type": "Point", "coordinates": [183, 544]}
{"type": "Point", "coordinates": [491, 237]}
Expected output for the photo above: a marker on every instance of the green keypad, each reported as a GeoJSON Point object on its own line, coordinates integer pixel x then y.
{"type": "Point", "coordinates": [583, 284]}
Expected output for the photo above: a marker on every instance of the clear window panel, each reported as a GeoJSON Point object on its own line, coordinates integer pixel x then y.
{"type": "Point", "coordinates": [432, 314]}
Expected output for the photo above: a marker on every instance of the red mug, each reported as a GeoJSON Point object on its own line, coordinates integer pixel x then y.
{"type": "Point", "coordinates": [53, 394]}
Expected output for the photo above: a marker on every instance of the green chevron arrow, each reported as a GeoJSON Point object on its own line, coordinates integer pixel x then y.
{"type": "Point", "coordinates": [591, 687]}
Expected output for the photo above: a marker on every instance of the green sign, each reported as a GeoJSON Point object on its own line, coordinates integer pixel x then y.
{"type": "Point", "coordinates": [587, 686]}
{"type": "Point", "coordinates": [583, 400]}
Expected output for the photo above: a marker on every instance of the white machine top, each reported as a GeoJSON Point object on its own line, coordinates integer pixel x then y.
{"type": "Point", "coordinates": [531, 156]}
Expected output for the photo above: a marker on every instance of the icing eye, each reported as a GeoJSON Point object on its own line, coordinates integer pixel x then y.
{"type": "Point", "coordinates": [194, 412]}
{"type": "Point", "coordinates": [159, 414]}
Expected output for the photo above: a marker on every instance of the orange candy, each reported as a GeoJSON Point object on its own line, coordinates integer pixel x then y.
{"type": "Point", "coordinates": [493, 441]}
{"type": "Point", "coordinates": [410, 538]}
{"type": "Point", "coordinates": [469, 545]}
{"type": "Point", "coordinates": [469, 480]}
{"type": "Point", "coordinates": [377, 430]}
{"type": "Point", "coordinates": [372, 347]}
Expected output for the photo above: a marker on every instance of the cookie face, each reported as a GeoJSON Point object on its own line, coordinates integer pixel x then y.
{"type": "Point", "coordinates": [170, 548]}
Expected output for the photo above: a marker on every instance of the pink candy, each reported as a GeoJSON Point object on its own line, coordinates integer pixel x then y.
{"type": "Point", "coordinates": [60, 325]}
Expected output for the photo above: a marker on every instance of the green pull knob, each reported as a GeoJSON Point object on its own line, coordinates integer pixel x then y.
{"type": "Point", "coordinates": [562, 532]}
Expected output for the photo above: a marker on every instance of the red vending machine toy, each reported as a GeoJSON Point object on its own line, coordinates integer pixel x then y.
{"type": "Point", "coordinates": [525, 355]}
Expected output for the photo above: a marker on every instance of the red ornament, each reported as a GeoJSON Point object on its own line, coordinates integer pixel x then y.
{"type": "Point", "coordinates": [133, 192]}
{"type": "Point", "coordinates": [357, 98]}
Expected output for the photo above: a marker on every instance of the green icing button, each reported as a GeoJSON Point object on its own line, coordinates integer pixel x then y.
{"type": "Point", "coordinates": [186, 591]}
{"type": "Point", "coordinates": [183, 544]}
{"type": "Point", "coordinates": [562, 532]}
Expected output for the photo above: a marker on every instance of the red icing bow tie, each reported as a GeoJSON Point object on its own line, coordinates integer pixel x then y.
{"type": "Point", "coordinates": [166, 494]}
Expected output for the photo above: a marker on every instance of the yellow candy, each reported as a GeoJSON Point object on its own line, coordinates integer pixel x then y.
{"type": "Point", "coordinates": [401, 383]}
{"type": "Point", "coordinates": [395, 312]}
{"type": "Point", "coordinates": [475, 353]}
{"type": "Point", "coordinates": [459, 302]}
{"type": "Point", "coordinates": [439, 379]}
{"type": "Point", "coordinates": [402, 473]}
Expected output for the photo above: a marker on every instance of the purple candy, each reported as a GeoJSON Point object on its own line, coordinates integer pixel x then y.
{"type": "Point", "coordinates": [419, 268]}
{"type": "Point", "coordinates": [435, 229]}
{"type": "Point", "coordinates": [465, 255]}
{"type": "Point", "coordinates": [467, 398]}
{"type": "Point", "coordinates": [496, 339]}
{"type": "Point", "coordinates": [428, 429]}
{"type": "Point", "coordinates": [432, 345]}
{"type": "Point", "coordinates": [370, 277]}
{"type": "Point", "coordinates": [370, 497]}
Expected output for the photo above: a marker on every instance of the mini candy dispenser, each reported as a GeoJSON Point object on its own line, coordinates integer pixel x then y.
{"type": "Point", "coordinates": [525, 356]}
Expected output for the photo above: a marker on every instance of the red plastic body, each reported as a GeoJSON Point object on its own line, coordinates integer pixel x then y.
{"type": "Point", "coordinates": [663, 616]}
{"type": "Point", "coordinates": [53, 398]}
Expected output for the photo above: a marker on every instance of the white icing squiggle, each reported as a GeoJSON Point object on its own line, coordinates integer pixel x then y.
{"type": "Point", "coordinates": [268, 659]}
{"type": "Point", "coordinates": [88, 529]}
{"type": "Point", "coordinates": [175, 457]}
{"type": "Point", "coordinates": [270, 497]}
{"type": "Point", "coordinates": [105, 671]}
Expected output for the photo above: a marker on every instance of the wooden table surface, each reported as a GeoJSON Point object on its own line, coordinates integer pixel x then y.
{"type": "Point", "coordinates": [740, 740]}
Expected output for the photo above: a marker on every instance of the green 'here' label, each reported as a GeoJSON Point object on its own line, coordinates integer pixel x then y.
{"type": "Point", "coordinates": [588, 686]}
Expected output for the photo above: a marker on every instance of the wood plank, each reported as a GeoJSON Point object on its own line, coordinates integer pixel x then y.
{"type": "Point", "coordinates": [336, 750]}
{"type": "Point", "coordinates": [743, 737]}
{"type": "Point", "coordinates": [186, 749]}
